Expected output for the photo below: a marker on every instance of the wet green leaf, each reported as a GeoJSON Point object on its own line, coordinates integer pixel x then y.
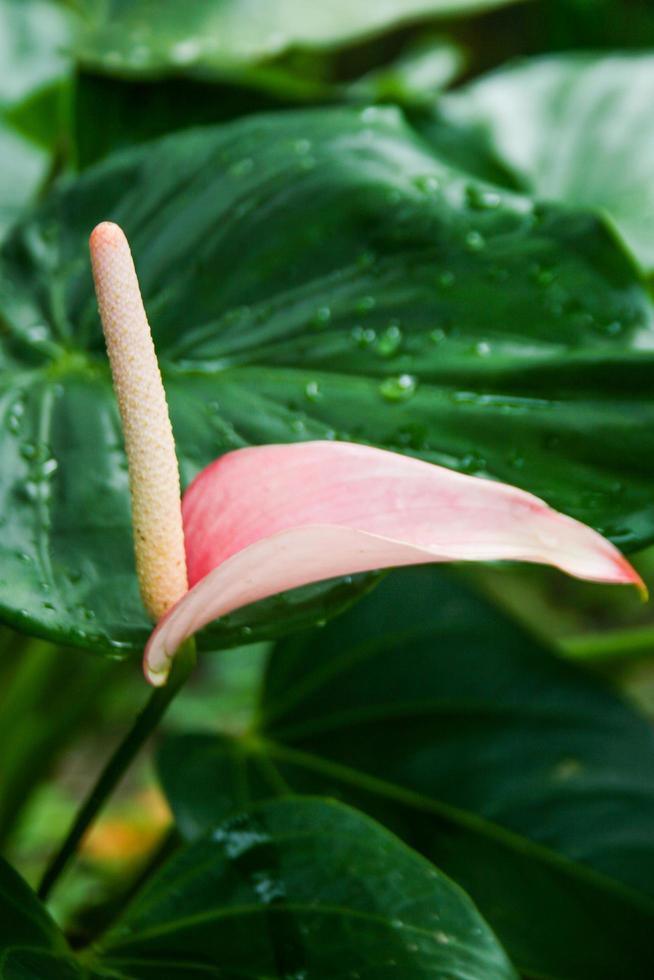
{"type": "Point", "coordinates": [310, 275]}
{"type": "Point", "coordinates": [576, 128]}
{"type": "Point", "coordinates": [519, 774]}
{"type": "Point", "coordinates": [295, 890]}
{"type": "Point", "coordinates": [139, 37]}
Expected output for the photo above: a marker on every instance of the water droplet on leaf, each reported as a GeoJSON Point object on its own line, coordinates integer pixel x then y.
{"type": "Point", "coordinates": [321, 317]}
{"type": "Point", "coordinates": [399, 389]}
{"type": "Point", "coordinates": [390, 341]}
{"type": "Point", "coordinates": [312, 391]}
{"type": "Point", "coordinates": [475, 241]}
{"type": "Point", "coordinates": [481, 199]}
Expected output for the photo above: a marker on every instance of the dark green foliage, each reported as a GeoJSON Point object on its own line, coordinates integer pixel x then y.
{"type": "Point", "coordinates": [295, 889]}
{"type": "Point", "coordinates": [518, 774]}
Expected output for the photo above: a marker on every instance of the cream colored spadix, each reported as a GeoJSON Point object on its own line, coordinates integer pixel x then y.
{"type": "Point", "coordinates": [153, 471]}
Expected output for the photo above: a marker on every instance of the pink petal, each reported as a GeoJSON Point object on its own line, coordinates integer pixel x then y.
{"type": "Point", "coordinates": [262, 520]}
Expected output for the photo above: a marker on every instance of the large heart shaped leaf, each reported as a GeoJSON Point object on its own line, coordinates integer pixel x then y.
{"type": "Point", "coordinates": [310, 275]}
{"type": "Point", "coordinates": [575, 128]}
{"type": "Point", "coordinates": [519, 774]}
{"type": "Point", "coordinates": [141, 37]}
{"type": "Point", "coordinates": [295, 889]}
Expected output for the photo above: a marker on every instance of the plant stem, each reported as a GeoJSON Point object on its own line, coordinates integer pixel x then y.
{"type": "Point", "coordinates": [631, 643]}
{"type": "Point", "coordinates": [119, 762]}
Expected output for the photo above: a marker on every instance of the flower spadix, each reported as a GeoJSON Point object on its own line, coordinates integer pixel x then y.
{"type": "Point", "coordinates": [265, 519]}
{"type": "Point", "coordinates": [153, 472]}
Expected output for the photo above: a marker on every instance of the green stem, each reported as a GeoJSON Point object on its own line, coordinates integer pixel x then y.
{"type": "Point", "coordinates": [119, 762]}
{"type": "Point", "coordinates": [632, 643]}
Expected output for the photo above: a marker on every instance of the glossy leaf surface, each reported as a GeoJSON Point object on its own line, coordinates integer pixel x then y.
{"type": "Point", "coordinates": [31, 946]}
{"type": "Point", "coordinates": [520, 775]}
{"type": "Point", "coordinates": [310, 275]}
{"type": "Point", "coordinates": [298, 888]}
{"type": "Point", "coordinates": [576, 128]}
{"type": "Point", "coordinates": [139, 37]}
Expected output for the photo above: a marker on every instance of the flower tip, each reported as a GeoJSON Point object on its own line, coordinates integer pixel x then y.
{"type": "Point", "coordinates": [106, 234]}
{"type": "Point", "coordinates": [629, 576]}
{"type": "Point", "coordinates": [156, 678]}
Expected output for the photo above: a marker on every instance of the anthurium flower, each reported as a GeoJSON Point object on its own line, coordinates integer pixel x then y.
{"type": "Point", "coordinates": [265, 519]}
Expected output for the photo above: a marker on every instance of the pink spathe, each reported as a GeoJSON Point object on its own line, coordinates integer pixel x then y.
{"type": "Point", "coordinates": [262, 520]}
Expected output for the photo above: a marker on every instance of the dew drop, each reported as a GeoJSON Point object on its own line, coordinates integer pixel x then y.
{"type": "Point", "coordinates": [312, 391]}
{"type": "Point", "coordinates": [185, 51]}
{"type": "Point", "coordinates": [390, 340]}
{"type": "Point", "coordinates": [427, 184]}
{"type": "Point", "coordinates": [482, 200]}
{"type": "Point", "coordinates": [472, 463]}
{"type": "Point", "coordinates": [398, 389]}
{"type": "Point", "coordinates": [321, 317]}
{"type": "Point", "coordinates": [363, 337]}
{"type": "Point", "coordinates": [15, 416]}
{"type": "Point", "coordinates": [475, 241]}
{"type": "Point", "coordinates": [28, 450]}
{"type": "Point", "coordinates": [30, 491]}
{"type": "Point", "coordinates": [365, 304]}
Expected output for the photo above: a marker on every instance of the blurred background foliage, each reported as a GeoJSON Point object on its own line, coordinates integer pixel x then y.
{"type": "Point", "coordinates": [68, 97]}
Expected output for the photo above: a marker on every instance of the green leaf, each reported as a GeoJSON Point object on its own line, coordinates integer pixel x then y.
{"type": "Point", "coordinates": [517, 773]}
{"type": "Point", "coordinates": [23, 920]}
{"type": "Point", "coordinates": [414, 78]}
{"type": "Point", "coordinates": [24, 166]}
{"type": "Point", "coordinates": [33, 70]}
{"type": "Point", "coordinates": [139, 37]}
{"type": "Point", "coordinates": [31, 946]}
{"type": "Point", "coordinates": [296, 889]}
{"type": "Point", "coordinates": [310, 275]}
{"type": "Point", "coordinates": [542, 121]}
{"type": "Point", "coordinates": [135, 110]}
{"type": "Point", "coordinates": [33, 38]}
